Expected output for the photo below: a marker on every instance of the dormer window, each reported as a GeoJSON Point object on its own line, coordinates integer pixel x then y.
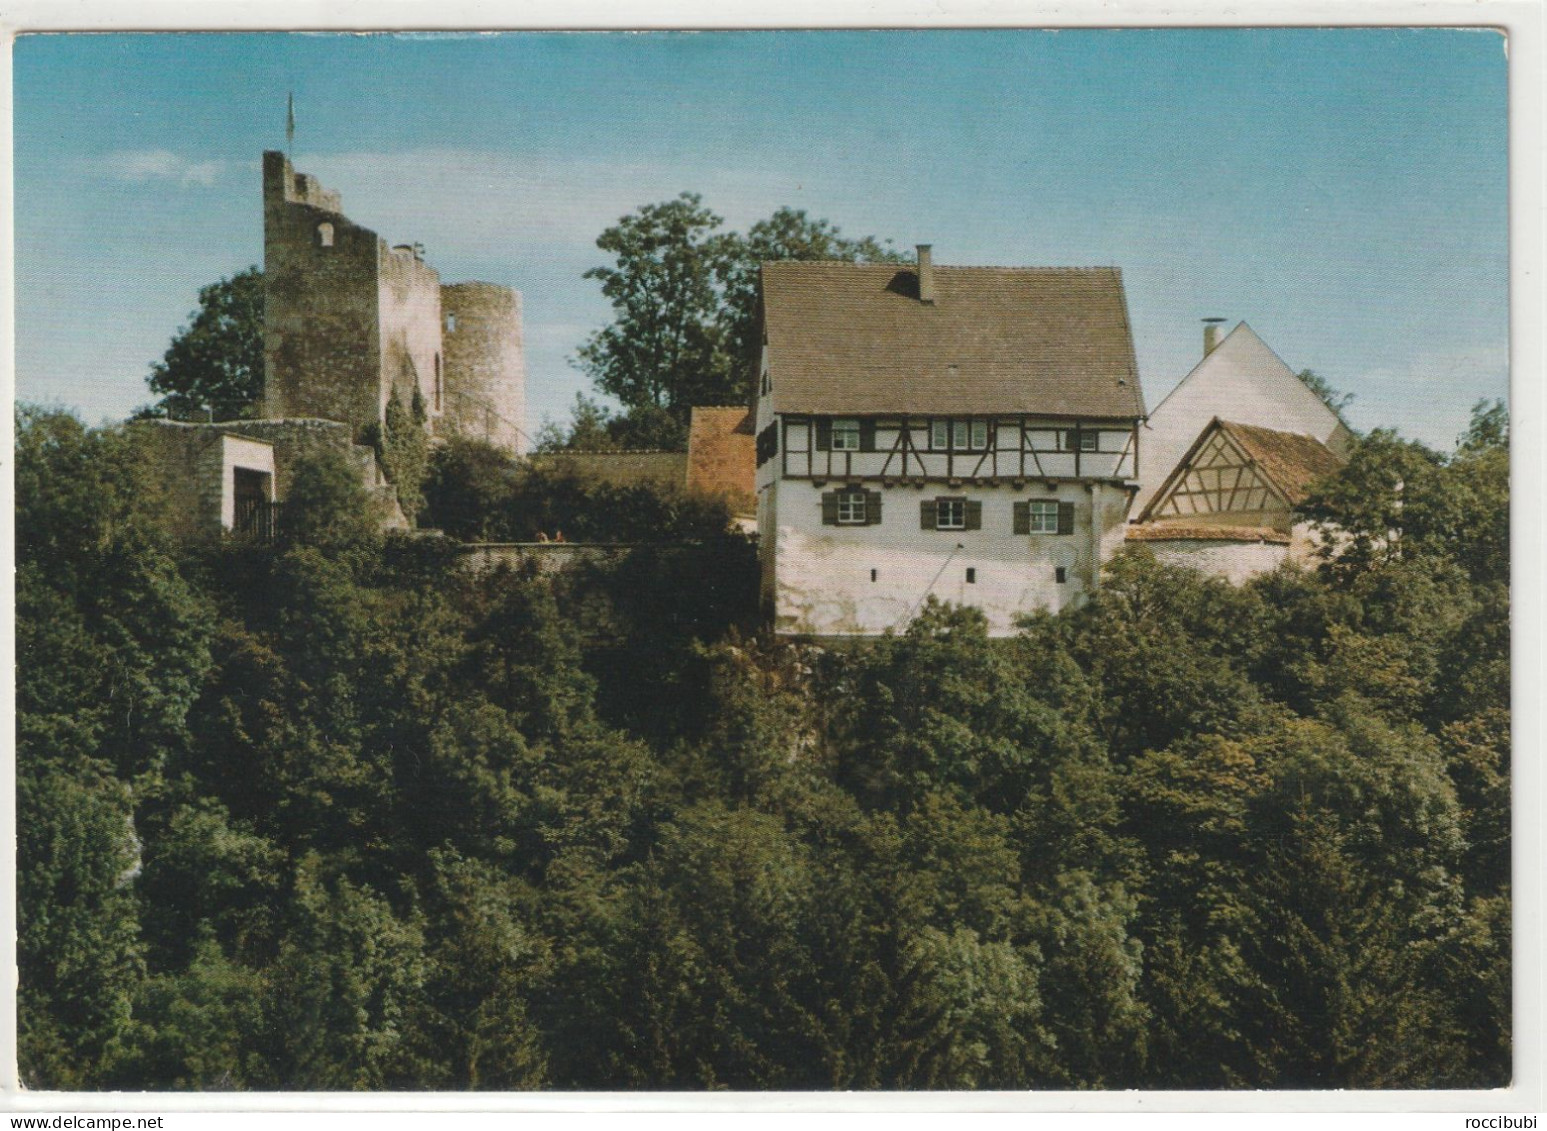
{"type": "Point", "coordinates": [958, 435]}
{"type": "Point", "coordinates": [324, 235]}
{"type": "Point", "coordinates": [845, 435]}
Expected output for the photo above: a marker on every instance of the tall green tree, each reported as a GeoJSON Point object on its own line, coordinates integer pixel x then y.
{"type": "Point", "coordinates": [665, 348]}
{"type": "Point", "coordinates": [214, 366]}
{"type": "Point", "coordinates": [684, 298]}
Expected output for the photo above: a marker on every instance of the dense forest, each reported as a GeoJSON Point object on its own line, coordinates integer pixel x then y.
{"type": "Point", "coordinates": [340, 813]}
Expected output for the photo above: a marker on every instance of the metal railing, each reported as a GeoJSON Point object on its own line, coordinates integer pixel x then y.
{"type": "Point", "coordinates": [257, 519]}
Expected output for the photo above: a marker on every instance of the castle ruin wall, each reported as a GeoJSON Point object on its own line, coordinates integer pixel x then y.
{"type": "Point", "coordinates": [322, 352]}
{"type": "Point", "coordinates": [485, 393]}
{"type": "Point", "coordinates": [409, 305]}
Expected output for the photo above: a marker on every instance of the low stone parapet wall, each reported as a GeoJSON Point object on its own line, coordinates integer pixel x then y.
{"type": "Point", "coordinates": [545, 558]}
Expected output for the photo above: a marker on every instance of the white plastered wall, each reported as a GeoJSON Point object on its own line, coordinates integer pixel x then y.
{"type": "Point", "coordinates": [822, 574]}
{"type": "Point", "coordinates": [250, 455]}
{"type": "Point", "coordinates": [1234, 561]}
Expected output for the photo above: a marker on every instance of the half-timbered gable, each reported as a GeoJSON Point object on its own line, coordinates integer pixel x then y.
{"type": "Point", "coordinates": [1239, 379]}
{"type": "Point", "coordinates": [1243, 475]}
{"type": "Point", "coordinates": [1229, 505]}
{"type": "Point", "coordinates": [969, 433]}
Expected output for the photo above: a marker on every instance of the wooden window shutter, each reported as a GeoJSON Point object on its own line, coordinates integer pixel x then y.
{"type": "Point", "coordinates": [867, 435]}
{"type": "Point", "coordinates": [872, 508]}
{"type": "Point", "coordinates": [1066, 518]}
{"type": "Point", "coordinates": [928, 513]}
{"type": "Point", "coordinates": [974, 515]}
{"type": "Point", "coordinates": [829, 508]}
{"type": "Point", "coordinates": [1022, 520]}
{"type": "Point", "coordinates": [824, 435]}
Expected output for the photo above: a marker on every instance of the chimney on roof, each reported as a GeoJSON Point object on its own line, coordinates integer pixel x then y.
{"type": "Point", "coordinates": [1210, 334]}
{"type": "Point", "coordinates": [926, 274]}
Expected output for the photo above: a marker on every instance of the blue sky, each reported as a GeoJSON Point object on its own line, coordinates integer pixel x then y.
{"type": "Point", "coordinates": [1343, 190]}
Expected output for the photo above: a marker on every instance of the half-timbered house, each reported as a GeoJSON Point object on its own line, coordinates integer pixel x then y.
{"type": "Point", "coordinates": [969, 433]}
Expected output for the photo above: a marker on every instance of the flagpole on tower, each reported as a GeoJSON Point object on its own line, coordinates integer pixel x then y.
{"type": "Point", "coordinates": [290, 126]}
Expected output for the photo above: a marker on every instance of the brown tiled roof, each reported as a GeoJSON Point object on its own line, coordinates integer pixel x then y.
{"type": "Point", "coordinates": [846, 337]}
{"type": "Point", "coordinates": [1292, 461]}
{"type": "Point", "coordinates": [1168, 532]}
{"type": "Point", "coordinates": [722, 455]}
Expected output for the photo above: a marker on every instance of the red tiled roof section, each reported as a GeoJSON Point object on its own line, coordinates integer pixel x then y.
{"type": "Point", "coordinates": [1177, 532]}
{"type": "Point", "coordinates": [1292, 461]}
{"type": "Point", "coordinates": [722, 454]}
{"type": "Point", "coordinates": [854, 338]}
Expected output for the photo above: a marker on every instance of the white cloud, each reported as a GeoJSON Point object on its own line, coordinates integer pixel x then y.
{"type": "Point", "coordinates": [136, 166]}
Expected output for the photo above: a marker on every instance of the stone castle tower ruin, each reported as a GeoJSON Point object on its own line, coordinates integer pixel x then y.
{"type": "Point", "coordinates": [350, 321]}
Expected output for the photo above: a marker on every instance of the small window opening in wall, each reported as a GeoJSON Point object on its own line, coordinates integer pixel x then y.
{"type": "Point", "coordinates": [972, 576]}
{"type": "Point", "coordinates": [451, 323]}
{"type": "Point", "coordinates": [1060, 574]}
{"type": "Point", "coordinates": [324, 235]}
{"type": "Point", "coordinates": [875, 573]}
{"type": "Point", "coordinates": [853, 508]}
{"type": "Point", "coordinates": [951, 514]}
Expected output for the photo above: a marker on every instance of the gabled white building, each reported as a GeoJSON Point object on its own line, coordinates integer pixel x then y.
{"type": "Point", "coordinates": [970, 433]}
{"type": "Point", "coordinates": [1239, 379]}
{"type": "Point", "coordinates": [1229, 456]}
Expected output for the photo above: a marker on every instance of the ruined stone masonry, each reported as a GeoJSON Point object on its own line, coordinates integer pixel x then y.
{"type": "Point", "coordinates": [350, 321]}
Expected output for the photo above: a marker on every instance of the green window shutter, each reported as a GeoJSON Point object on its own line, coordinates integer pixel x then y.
{"type": "Point", "coordinates": [927, 514]}
{"type": "Point", "coordinates": [974, 515]}
{"type": "Point", "coordinates": [872, 508]}
{"type": "Point", "coordinates": [867, 435]}
{"type": "Point", "coordinates": [824, 435]}
{"type": "Point", "coordinates": [1022, 520]}
{"type": "Point", "coordinates": [1066, 518]}
{"type": "Point", "coordinates": [829, 508]}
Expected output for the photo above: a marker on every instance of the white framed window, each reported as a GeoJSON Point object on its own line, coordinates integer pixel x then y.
{"type": "Point", "coordinates": [1044, 516]}
{"type": "Point", "coordinates": [950, 514]}
{"type": "Point", "coordinates": [958, 435]}
{"type": "Point", "coordinates": [845, 435]}
{"type": "Point", "coordinates": [1082, 440]}
{"type": "Point", "coordinates": [852, 508]}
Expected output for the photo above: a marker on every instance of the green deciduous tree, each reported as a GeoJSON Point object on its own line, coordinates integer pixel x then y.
{"type": "Point", "coordinates": [468, 489]}
{"type": "Point", "coordinates": [1319, 385]}
{"type": "Point", "coordinates": [214, 366]}
{"type": "Point", "coordinates": [665, 348]}
{"type": "Point", "coordinates": [326, 506]}
{"type": "Point", "coordinates": [684, 299]}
